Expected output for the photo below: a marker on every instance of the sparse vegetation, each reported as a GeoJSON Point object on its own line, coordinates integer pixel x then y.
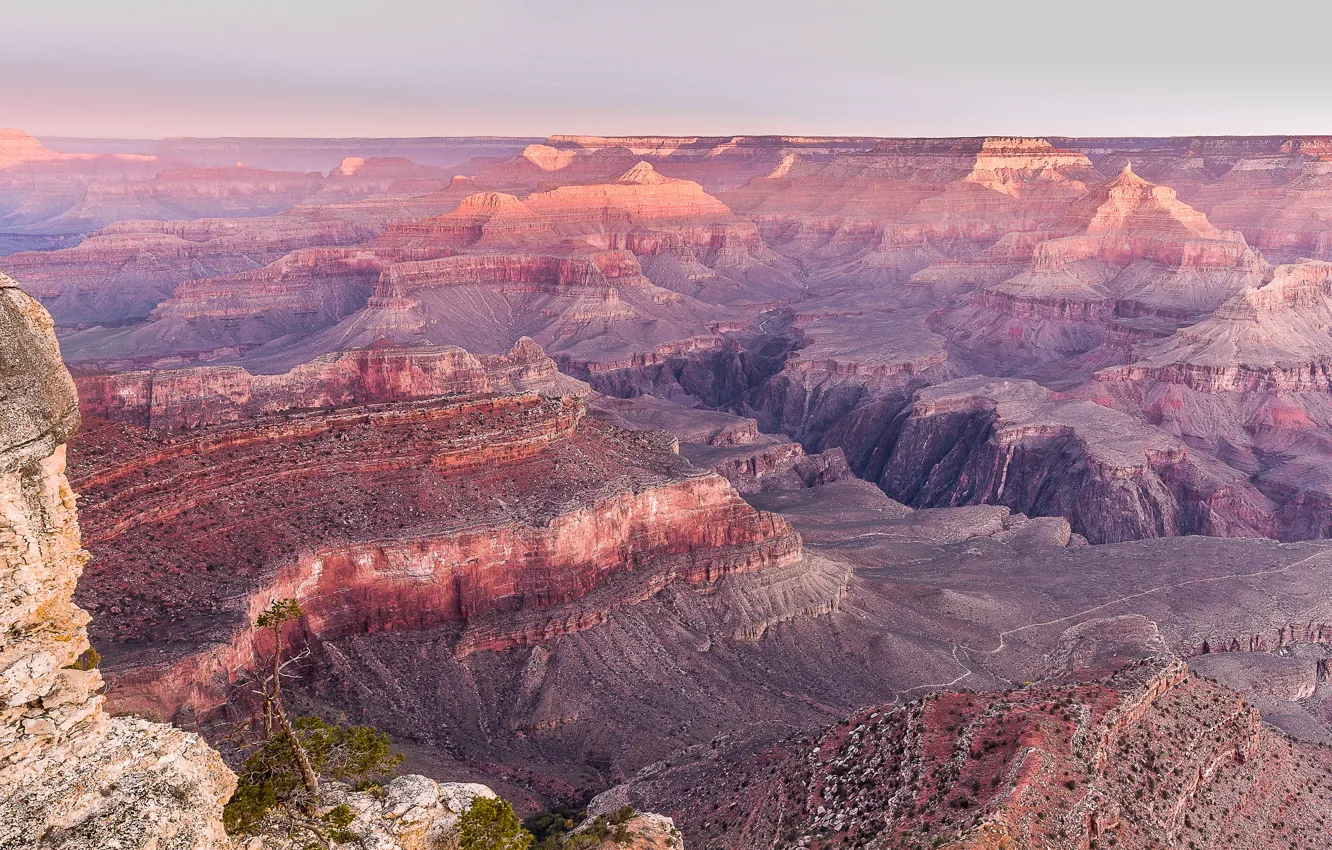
{"type": "Point", "coordinates": [490, 824]}
{"type": "Point", "coordinates": [87, 661]}
{"type": "Point", "coordinates": [278, 786]}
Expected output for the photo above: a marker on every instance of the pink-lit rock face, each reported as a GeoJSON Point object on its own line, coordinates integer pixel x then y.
{"type": "Point", "coordinates": [931, 192]}
{"type": "Point", "coordinates": [815, 285]}
{"type": "Point", "coordinates": [1127, 250]}
{"type": "Point", "coordinates": [500, 516]}
{"type": "Point", "coordinates": [17, 146]}
{"type": "Point", "coordinates": [211, 395]}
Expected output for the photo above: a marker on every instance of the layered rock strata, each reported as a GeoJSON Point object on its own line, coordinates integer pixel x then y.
{"type": "Point", "coordinates": [1129, 250]}
{"type": "Point", "coordinates": [496, 517]}
{"type": "Point", "coordinates": [978, 441]}
{"type": "Point", "coordinates": [212, 395]}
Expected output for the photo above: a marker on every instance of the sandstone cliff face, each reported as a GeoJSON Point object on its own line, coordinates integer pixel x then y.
{"type": "Point", "coordinates": [1249, 384]}
{"type": "Point", "coordinates": [876, 217]}
{"type": "Point", "coordinates": [407, 515]}
{"type": "Point", "coordinates": [1128, 250]}
{"type": "Point", "coordinates": [978, 441]}
{"type": "Point", "coordinates": [211, 395]}
{"type": "Point", "coordinates": [70, 775]}
{"type": "Point", "coordinates": [17, 146]}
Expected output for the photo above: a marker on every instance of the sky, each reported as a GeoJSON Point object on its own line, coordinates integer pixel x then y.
{"type": "Point", "coordinates": [155, 68]}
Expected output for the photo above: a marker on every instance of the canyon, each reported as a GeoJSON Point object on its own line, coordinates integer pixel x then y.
{"type": "Point", "coordinates": [810, 491]}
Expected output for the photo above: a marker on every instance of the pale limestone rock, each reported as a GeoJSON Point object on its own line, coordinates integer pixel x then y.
{"type": "Point", "coordinates": [411, 813]}
{"type": "Point", "coordinates": [70, 776]}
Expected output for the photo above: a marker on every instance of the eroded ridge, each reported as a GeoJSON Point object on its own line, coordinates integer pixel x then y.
{"type": "Point", "coordinates": [493, 517]}
{"type": "Point", "coordinates": [1148, 756]}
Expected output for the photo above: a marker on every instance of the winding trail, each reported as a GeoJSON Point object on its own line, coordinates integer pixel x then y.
{"type": "Point", "coordinates": [1003, 636]}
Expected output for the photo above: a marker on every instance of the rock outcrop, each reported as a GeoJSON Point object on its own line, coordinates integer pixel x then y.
{"type": "Point", "coordinates": [211, 395]}
{"type": "Point", "coordinates": [1147, 756]}
{"type": "Point", "coordinates": [411, 812]}
{"type": "Point", "coordinates": [979, 441]}
{"type": "Point", "coordinates": [1128, 250]}
{"type": "Point", "coordinates": [871, 218]}
{"type": "Point", "coordinates": [71, 776]}
{"type": "Point", "coordinates": [1249, 384]}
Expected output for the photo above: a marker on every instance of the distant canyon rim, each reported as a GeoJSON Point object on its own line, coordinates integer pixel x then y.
{"type": "Point", "coordinates": [700, 471]}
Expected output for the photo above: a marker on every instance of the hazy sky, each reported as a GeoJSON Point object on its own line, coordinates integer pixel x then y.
{"type": "Point", "coordinates": [151, 68]}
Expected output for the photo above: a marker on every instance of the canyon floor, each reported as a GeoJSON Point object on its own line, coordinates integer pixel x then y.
{"type": "Point", "coordinates": [814, 492]}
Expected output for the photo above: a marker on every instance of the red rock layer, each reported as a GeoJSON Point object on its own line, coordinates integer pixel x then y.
{"type": "Point", "coordinates": [1148, 757]}
{"type": "Point", "coordinates": [979, 441]}
{"type": "Point", "coordinates": [697, 245]}
{"type": "Point", "coordinates": [17, 146]}
{"type": "Point", "coordinates": [596, 272]}
{"type": "Point", "coordinates": [949, 193]}
{"type": "Point", "coordinates": [212, 395]}
{"type": "Point", "coordinates": [1127, 263]}
{"type": "Point", "coordinates": [475, 515]}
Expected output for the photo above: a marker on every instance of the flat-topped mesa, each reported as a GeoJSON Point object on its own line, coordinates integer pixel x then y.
{"type": "Point", "coordinates": [697, 246]}
{"type": "Point", "coordinates": [641, 193]}
{"type": "Point", "coordinates": [483, 221]}
{"type": "Point", "coordinates": [17, 146]}
{"type": "Point", "coordinates": [212, 395]}
{"type": "Point", "coordinates": [1020, 165]}
{"type": "Point", "coordinates": [960, 193]}
{"type": "Point", "coordinates": [360, 177]}
{"type": "Point", "coordinates": [494, 520]}
{"type": "Point", "coordinates": [640, 210]}
{"type": "Point", "coordinates": [381, 169]}
{"type": "Point", "coordinates": [986, 441]}
{"type": "Point", "coordinates": [548, 158]}
{"type": "Point", "coordinates": [70, 774]}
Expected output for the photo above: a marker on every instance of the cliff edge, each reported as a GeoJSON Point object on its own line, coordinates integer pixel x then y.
{"type": "Point", "coordinates": [70, 775]}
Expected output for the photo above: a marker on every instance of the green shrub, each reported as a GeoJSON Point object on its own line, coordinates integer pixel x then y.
{"type": "Point", "coordinates": [490, 824]}
{"type": "Point", "coordinates": [87, 661]}
{"type": "Point", "coordinates": [549, 828]}
{"type": "Point", "coordinates": [271, 776]}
